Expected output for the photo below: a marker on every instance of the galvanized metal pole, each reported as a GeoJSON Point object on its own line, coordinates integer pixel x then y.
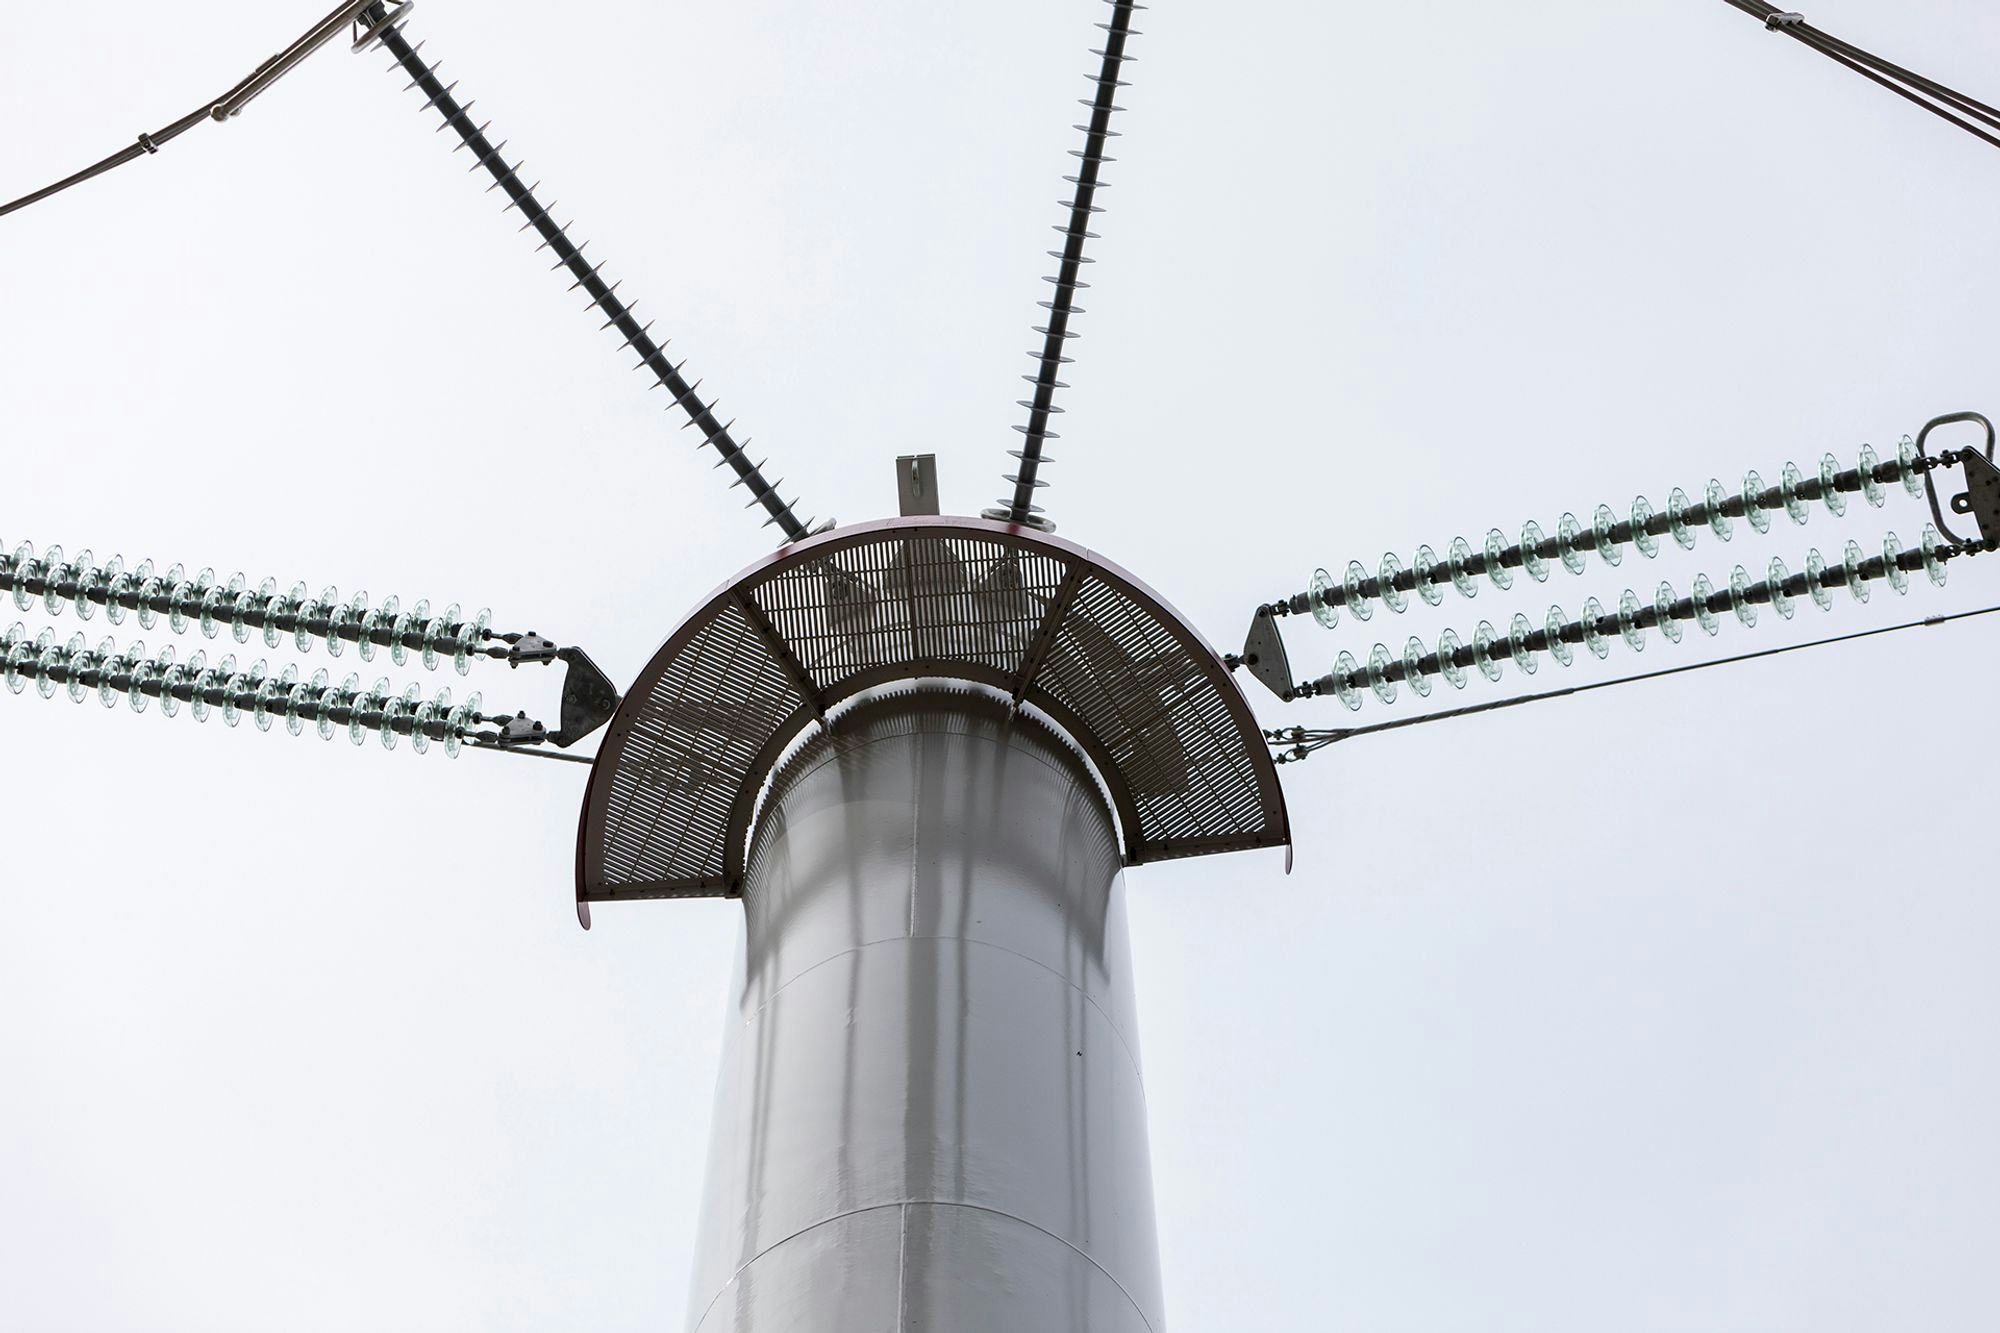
{"type": "Point", "coordinates": [930, 1113]}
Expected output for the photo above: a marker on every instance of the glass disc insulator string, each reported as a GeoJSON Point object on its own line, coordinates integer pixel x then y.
{"type": "Point", "coordinates": [1607, 536]}
{"type": "Point", "coordinates": [234, 692]}
{"type": "Point", "coordinates": [1524, 642]}
{"type": "Point", "coordinates": [418, 632]}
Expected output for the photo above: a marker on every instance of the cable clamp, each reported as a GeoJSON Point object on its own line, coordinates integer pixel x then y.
{"type": "Point", "coordinates": [521, 729]}
{"type": "Point", "coordinates": [395, 14]}
{"type": "Point", "coordinates": [530, 647]}
{"type": "Point", "coordinates": [1789, 19]}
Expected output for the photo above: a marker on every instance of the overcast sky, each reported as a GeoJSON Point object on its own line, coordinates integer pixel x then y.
{"type": "Point", "coordinates": [1668, 1008]}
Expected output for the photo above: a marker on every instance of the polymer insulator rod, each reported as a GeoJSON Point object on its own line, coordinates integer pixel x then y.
{"type": "Point", "coordinates": [1068, 279]}
{"type": "Point", "coordinates": [385, 27]}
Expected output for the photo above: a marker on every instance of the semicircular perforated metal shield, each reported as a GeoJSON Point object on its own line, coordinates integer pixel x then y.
{"type": "Point", "coordinates": [1055, 626]}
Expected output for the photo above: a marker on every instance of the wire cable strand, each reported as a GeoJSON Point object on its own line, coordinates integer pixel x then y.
{"type": "Point", "coordinates": [1944, 102]}
{"type": "Point", "coordinates": [1299, 742]}
{"type": "Point", "coordinates": [221, 108]}
{"type": "Point", "coordinates": [493, 747]}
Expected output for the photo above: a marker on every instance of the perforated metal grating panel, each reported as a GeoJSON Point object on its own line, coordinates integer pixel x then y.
{"type": "Point", "coordinates": [1056, 627]}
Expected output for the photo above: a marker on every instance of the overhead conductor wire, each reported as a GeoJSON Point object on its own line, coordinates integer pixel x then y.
{"type": "Point", "coordinates": [1948, 104]}
{"type": "Point", "coordinates": [1297, 743]}
{"type": "Point", "coordinates": [229, 104]}
{"type": "Point", "coordinates": [380, 22]}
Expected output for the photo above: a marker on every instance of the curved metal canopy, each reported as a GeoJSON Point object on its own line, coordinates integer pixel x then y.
{"type": "Point", "coordinates": [1055, 626]}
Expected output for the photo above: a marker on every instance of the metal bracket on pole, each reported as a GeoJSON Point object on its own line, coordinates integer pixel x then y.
{"type": "Point", "coordinates": [1045, 636]}
{"type": "Point", "coordinates": [916, 485]}
{"type": "Point", "coordinates": [801, 679]}
{"type": "Point", "coordinates": [1264, 653]}
{"type": "Point", "coordinates": [1981, 498]}
{"type": "Point", "coordinates": [588, 698]}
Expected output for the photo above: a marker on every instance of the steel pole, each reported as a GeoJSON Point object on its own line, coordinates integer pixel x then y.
{"type": "Point", "coordinates": [930, 1113]}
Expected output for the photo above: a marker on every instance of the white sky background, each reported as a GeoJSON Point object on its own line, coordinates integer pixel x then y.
{"type": "Point", "coordinates": [1667, 1008]}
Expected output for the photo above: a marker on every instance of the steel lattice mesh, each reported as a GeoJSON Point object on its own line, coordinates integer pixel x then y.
{"type": "Point", "coordinates": [698, 729]}
{"type": "Point", "coordinates": [1167, 727]}
{"type": "Point", "coordinates": [676, 781]}
{"type": "Point", "coordinates": [919, 600]}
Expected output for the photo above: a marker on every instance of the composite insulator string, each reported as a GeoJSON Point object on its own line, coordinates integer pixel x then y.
{"type": "Point", "coordinates": [1068, 280]}
{"type": "Point", "coordinates": [385, 27]}
{"type": "Point", "coordinates": [211, 606]}
{"type": "Point", "coordinates": [1558, 636]}
{"type": "Point", "coordinates": [235, 692]}
{"type": "Point", "coordinates": [1294, 744]}
{"type": "Point", "coordinates": [1608, 535]}
{"type": "Point", "coordinates": [1947, 104]}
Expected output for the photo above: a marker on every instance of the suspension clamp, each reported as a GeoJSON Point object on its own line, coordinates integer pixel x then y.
{"type": "Point", "coordinates": [1292, 745]}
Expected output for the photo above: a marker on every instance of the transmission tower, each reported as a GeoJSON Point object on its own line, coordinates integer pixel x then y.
{"type": "Point", "coordinates": [922, 752]}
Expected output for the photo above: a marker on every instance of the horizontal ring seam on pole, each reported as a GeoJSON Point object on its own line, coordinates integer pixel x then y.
{"type": "Point", "coordinates": [922, 1203]}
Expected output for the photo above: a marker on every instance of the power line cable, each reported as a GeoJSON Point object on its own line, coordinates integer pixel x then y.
{"type": "Point", "coordinates": [492, 747]}
{"type": "Point", "coordinates": [1297, 743]}
{"type": "Point", "coordinates": [229, 104]}
{"type": "Point", "coordinates": [1940, 100]}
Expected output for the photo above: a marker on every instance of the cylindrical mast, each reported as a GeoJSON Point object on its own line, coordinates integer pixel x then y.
{"type": "Point", "coordinates": [930, 1113]}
